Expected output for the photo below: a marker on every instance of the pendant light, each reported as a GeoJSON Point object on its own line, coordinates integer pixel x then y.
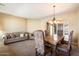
{"type": "Point", "coordinates": [54, 19]}
{"type": "Point", "coordinates": [54, 13]}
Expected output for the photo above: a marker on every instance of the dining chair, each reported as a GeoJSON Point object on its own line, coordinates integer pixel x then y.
{"type": "Point", "coordinates": [64, 48]}
{"type": "Point", "coordinates": [41, 48]}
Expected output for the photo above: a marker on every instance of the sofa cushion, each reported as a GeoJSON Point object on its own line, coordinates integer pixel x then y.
{"type": "Point", "coordinates": [8, 36]}
{"type": "Point", "coordinates": [12, 35]}
{"type": "Point", "coordinates": [31, 36]}
{"type": "Point", "coordinates": [25, 34]}
{"type": "Point", "coordinates": [21, 35]}
{"type": "Point", "coordinates": [17, 34]}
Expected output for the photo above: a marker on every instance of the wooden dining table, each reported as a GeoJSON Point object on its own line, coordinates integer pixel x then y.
{"type": "Point", "coordinates": [52, 42]}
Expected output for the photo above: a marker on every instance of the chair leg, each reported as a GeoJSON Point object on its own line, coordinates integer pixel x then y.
{"type": "Point", "coordinates": [51, 52]}
{"type": "Point", "coordinates": [36, 53]}
{"type": "Point", "coordinates": [69, 53]}
{"type": "Point", "coordinates": [70, 50]}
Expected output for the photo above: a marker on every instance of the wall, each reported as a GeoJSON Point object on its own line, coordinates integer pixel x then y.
{"type": "Point", "coordinates": [78, 19]}
{"type": "Point", "coordinates": [10, 23]}
{"type": "Point", "coordinates": [78, 27]}
{"type": "Point", "coordinates": [35, 24]}
{"type": "Point", "coordinates": [69, 18]}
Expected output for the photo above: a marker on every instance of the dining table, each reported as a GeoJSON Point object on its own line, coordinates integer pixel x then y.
{"type": "Point", "coordinates": [52, 41]}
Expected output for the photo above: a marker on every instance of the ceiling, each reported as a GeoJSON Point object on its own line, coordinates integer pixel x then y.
{"type": "Point", "coordinates": [36, 10]}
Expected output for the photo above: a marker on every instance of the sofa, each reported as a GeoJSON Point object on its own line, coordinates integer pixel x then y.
{"type": "Point", "coordinates": [15, 37]}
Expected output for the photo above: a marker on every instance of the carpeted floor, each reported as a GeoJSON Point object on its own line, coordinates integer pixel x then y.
{"type": "Point", "coordinates": [25, 48]}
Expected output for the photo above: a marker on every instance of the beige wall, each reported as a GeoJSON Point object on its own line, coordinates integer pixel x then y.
{"type": "Point", "coordinates": [78, 27]}
{"type": "Point", "coordinates": [12, 23]}
{"type": "Point", "coordinates": [9, 23]}
{"type": "Point", "coordinates": [69, 18]}
{"type": "Point", "coordinates": [78, 19]}
{"type": "Point", "coordinates": [35, 24]}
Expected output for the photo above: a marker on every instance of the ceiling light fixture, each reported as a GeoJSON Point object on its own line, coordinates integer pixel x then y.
{"type": "Point", "coordinates": [54, 13]}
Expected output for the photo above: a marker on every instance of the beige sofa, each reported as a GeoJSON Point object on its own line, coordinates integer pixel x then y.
{"type": "Point", "coordinates": [15, 37]}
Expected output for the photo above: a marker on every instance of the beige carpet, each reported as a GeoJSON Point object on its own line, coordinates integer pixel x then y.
{"type": "Point", "coordinates": [4, 50]}
{"type": "Point", "coordinates": [23, 48]}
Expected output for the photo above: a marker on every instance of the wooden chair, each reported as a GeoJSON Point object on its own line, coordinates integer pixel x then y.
{"type": "Point", "coordinates": [41, 49]}
{"type": "Point", "coordinates": [64, 48]}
